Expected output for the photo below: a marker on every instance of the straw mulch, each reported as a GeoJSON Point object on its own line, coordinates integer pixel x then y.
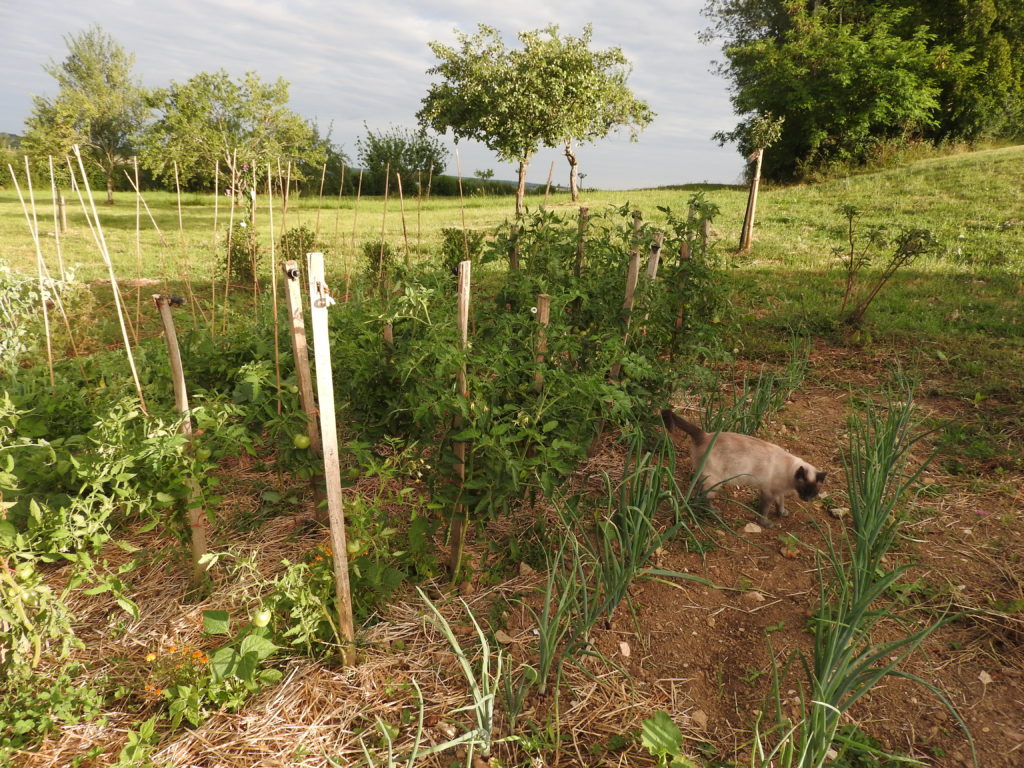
{"type": "Point", "coordinates": [323, 714]}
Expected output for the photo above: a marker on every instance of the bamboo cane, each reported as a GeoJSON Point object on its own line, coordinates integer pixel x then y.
{"type": "Point", "coordinates": [273, 288]}
{"type": "Point", "coordinates": [319, 205]}
{"type": "Point", "coordinates": [33, 225]}
{"type": "Point", "coordinates": [113, 281]}
{"type": "Point", "coordinates": [460, 517]}
{"type": "Point", "coordinates": [59, 218]}
{"type": "Point", "coordinates": [405, 233]}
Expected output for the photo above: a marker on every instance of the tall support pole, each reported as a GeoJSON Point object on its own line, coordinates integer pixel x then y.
{"type": "Point", "coordinates": [460, 514]}
{"type": "Point", "coordinates": [543, 318]}
{"type": "Point", "coordinates": [300, 353]}
{"type": "Point", "coordinates": [319, 300]}
{"type": "Point", "coordinates": [196, 514]}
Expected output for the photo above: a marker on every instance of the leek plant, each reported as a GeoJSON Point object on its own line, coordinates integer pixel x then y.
{"type": "Point", "coordinates": [853, 585]}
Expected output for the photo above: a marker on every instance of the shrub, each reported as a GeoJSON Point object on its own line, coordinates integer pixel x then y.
{"type": "Point", "coordinates": [460, 244]}
{"type": "Point", "coordinates": [240, 260]}
{"type": "Point", "coordinates": [297, 242]}
{"type": "Point", "coordinates": [380, 262]}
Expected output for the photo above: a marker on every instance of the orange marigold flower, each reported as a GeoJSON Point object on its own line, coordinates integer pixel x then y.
{"type": "Point", "coordinates": [317, 559]}
{"type": "Point", "coordinates": [157, 691]}
{"type": "Point", "coordinates": [149, 687]}
{"type": "Point", "coordinates": [172, 649]}
{"type": "Point", "coordinates": [205, 659]}
{"type": "Point", "coordinates": [150, 656]}
{"type": "Point", "coordinates": [327, 550]}
{"type": "Point", "coordinates": [197, 654]}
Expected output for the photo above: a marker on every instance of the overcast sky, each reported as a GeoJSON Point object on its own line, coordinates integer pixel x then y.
{"type": "Point", "coordinates": [350, 62]}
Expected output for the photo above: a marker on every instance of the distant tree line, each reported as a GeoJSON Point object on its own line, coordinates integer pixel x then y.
{"type": "Point", "coordinates": [215, 131]}
{"type": "Point", "coordinates": [854, 78]}
{"type": "Point", "coordinates": [210, 130]}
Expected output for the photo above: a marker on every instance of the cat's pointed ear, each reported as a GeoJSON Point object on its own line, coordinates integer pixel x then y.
{"type": "Point", "coordinates": [801, 473]}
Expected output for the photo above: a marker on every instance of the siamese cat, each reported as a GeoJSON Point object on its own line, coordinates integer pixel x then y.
{"type": "Point", "coordinates": [730, 458]}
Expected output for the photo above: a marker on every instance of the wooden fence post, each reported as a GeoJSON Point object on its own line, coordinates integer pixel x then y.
{"type": "Point", "coordinates": [459, 519]}
{"type": "Point", "coordinates": [197, 522]}
{"type": "Point", "coordinates": [62, 215]}
{"type": "Point", "coordinates": [319, 300]}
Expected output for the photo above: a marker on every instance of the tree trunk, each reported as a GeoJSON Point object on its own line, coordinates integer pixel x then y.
{"type": "Point", "coordinates": [110, 187]}
{"type": "Point", "coordinates": [574, 178]}
{"type": "Point", "coordinates": [521, 189]}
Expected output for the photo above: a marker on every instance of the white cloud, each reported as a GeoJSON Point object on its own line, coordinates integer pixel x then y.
{"type": "Point", "coordinates": [366, 61]}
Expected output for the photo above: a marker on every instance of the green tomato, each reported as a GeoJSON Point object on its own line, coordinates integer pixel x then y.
{"type": "Point", "coordinates": [261, 618]}
{"type": "Point", "coordinates": [354, 546]}
{"type": "Point", "coordinates": [301, 441]}
{"type": "Point", "coordinates": [203, 453]}
{"type": "Point", "coordinates": [293, 389]}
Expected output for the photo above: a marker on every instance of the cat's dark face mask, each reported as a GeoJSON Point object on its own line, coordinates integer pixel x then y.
{"type": "Point", "coordinates": [808, 487]}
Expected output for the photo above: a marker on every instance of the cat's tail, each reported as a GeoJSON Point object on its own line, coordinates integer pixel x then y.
{"type": "Point", "coordinates": [675, 421]}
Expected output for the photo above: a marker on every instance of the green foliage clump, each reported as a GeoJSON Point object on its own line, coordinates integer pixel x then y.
{"type": "Point", "coordinates": [379, 263]}
{"type": "Point", "coordinates": [32, 709]}
{"type": "Point", "coordinates": [242, 256]}
{"type": "Point", "coordinates": [297, 242]}
{"type": "Point", "coordinates": [459, 244]}
{"type": "Point", "coordinates": [853, 78]}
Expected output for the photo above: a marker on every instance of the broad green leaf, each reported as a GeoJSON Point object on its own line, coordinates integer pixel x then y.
{"type": "Point", "coordinates": [216, 622]}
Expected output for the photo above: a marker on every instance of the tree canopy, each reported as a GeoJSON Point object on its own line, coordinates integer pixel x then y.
{"type": "Point", "coordinates": [548, 92]}
{"type": "Point", "coordinates": [851, 76]}
{"type": "Point", "coordinates": [99, 106]}
{"type": "Point", "coordinates": [212, 118]}
{"type": "Point", "coordinates": [414, 154]}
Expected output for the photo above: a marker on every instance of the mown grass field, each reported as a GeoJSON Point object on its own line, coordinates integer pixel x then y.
{"type": "Point", "coordinates": [958, 308]}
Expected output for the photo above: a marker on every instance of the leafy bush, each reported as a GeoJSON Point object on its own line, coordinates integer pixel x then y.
{"type": "Point", "coordinates": [297, 242]}
{"type": "Point", "coordinates": [242, 256]}
{"type": "Point", "coordinates": [380, 263]}
{"type": "Point", "coordinates": [459, 244]}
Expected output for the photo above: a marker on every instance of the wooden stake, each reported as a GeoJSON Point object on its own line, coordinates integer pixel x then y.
{"type": "Point", "coordinates": [197, 522]}
{"type": "Point", "coordinates": [459, 518]}
{"type": "Point", "coordinates": [581, 244]}
{"type": "Point", "coordinates": [300, 354]}
{"type": "Point", "coordinates": [60, 218]}
{"type": "Point", "coordinates": [655, 260]}
{"type": "Point", "coordinates": [62, 207]}
{"type": "Point", "coordinates": [405, 233]}
{"type": "Point", "coordinates": [138, 252]}
{"type": "Point", "coordinates": [273, 288]}
{"type": "Point", "coordinates": [747, 231]}
{"type": "Point", "coordinates": [214, 247]}
{"type": "Point", "coordinates": [543, 317]}
{"type": "Point", "coordinates": [547, 187]}
{"type": "Point", "coordinates": [462, 205]}
{"type": "Point", "coordinates": [113, 280]}
{"type": "Point", "coordinates": [319, 205]}
{"type": "Point", "coordinates": [230, 239]}
{"type": "Point", "coordinates": [355, 209]}
{"type": "Point", "coordinates": [186, 269]}
{"type": "Point", "coordinates": [33, 225]}
{"type": "Point", "coordinates": [320, 299]}
{"type": "Point", "coordinates": [337, 213]}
